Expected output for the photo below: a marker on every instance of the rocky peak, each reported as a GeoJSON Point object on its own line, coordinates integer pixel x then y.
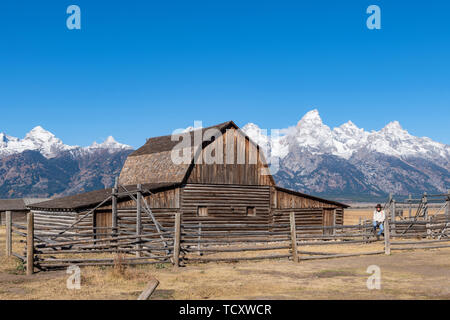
{"type": "Point", "coordinates": [45, 142]}
{"type": "Point", "coordinates": [311, 118]}
{"type": "Point", "coordinates": [110, 143]}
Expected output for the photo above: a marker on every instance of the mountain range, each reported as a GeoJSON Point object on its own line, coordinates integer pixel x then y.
{"type": "Point", "coordinates": [348, 162]}
{"type": "Point", "coordinates": [345, 163]}
{"type": "Point", "coordinates": [41, 165]}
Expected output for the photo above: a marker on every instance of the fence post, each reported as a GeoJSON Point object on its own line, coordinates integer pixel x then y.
{"type": "Point", "coordinates": [8, 234]}
{"type": "Point", "coordinates": [387, 237]}
{"type": "Point", "coordinates": [176, 242]}
{"type": "Point", "coordinates": [389, 203]}
{"type": "Point", "coordinates": [366, 237]}
{"type": "Point", "coordinates": [334, 222]}
{"type": "Point", "coordinates": [293, 238]}
{"type": "Point", "coordinates": [361, 229]}
{"type": "Point", "coordinates": [393, 208]}
{"type": "Point", "coordinates": [138, 220]}
{"type": "Point", "coordinates": [199, 238]}
{"type": "Point", "coordinates": [447, 208]}
{"type": "Point", "coordinates": [428, 229]}
{"type": "Point", "coordinates": [30, 243]}
{"type": "Point", "coordinates": [425, 205]}
{"type": "Point", "coordinates": [115, 190]}
{"type": "Point", "coordinates": [410, 205]}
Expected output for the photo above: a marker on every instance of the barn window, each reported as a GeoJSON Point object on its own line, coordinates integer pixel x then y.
{"type": "Point", "coordinates": [251, 211]}
{"type": "Point", "coordinates": [202, 211]}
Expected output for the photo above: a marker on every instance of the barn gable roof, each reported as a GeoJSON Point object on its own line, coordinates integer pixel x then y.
{"type": "Point", "coordinates": [153, 163]}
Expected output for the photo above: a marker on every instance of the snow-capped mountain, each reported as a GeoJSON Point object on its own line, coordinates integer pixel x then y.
{"type": "Point", "coordinates": [313, 135]}
{"type": "Point", "coordinates": [37, 139]}
{"type": "Point", "coordinates": [109, 144]}
{"type": "Point", "coordinates": [346, 163]}
{"type": "Point", "coordinates": [45, 142]}
{"type": "Point", "coordinates": [42, 165]}
{"type": "Point", "coordinates": [349, 160]}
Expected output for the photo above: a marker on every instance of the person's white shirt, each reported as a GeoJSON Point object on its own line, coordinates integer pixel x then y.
{"type": "Point", "coordinates": [379, 216]}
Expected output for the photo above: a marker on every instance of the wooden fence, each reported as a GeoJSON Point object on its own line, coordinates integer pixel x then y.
{"type": "Point", "coordinates": [432, 233]}
{"type": "Point", "coordinates": [140, 236]}
{"type": "Point", "coordinates": [15, 230]}
{"type": "Point", "coordinates": [208, 240]}
{"type": "Point", "coordinates": [334, 236]}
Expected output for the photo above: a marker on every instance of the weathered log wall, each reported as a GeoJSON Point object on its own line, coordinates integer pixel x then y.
{"type": "Point", "coordinates": [169, 199]}
{"type": "Point", "coordinates": [225, 201]}
{"type": "Point", "coordinates": [287, 200]}
{"type": "Point", "coordinates": [231, 159]}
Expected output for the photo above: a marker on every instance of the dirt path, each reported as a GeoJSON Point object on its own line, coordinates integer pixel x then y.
{"type": "Point", "coordinates": [420, 274]}
{"type": "Point", "coordinates": [405, 275]}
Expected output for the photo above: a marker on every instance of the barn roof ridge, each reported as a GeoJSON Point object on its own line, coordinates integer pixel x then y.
{"type": "Point", "coordinates": [165, 143]}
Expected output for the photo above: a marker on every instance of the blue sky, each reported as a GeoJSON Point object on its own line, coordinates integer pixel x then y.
{"type": "Point", "coordinates": [138, 69]}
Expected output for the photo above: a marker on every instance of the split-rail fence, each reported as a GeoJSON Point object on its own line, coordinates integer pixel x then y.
{"type": "Point", "coordinates": [139, 236]}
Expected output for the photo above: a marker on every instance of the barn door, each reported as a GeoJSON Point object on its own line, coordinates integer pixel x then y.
{"type": "Point", "coordinates": [102, 224]}
{"type": "Point", "coordinates": [328, 221]}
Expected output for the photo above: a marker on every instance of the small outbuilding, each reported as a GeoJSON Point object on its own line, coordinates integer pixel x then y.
{"type": "Point", "coordinates": [17, 207]}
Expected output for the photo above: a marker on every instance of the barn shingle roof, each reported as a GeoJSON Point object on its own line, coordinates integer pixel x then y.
{"type": "Point", "coordinates": [12, 205]}
{"type": "Point", "coordinates": [152, 163]}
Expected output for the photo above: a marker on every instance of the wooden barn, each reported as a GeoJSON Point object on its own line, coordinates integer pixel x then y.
{"type": "Point", "coordinates": [224, 178]}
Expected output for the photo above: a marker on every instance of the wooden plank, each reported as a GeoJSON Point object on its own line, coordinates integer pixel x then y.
{"type": "Point", "coordinates": [344, 255]}
{"type": "Point", "coordinates": [425, 205]}
{"type": "Point", "coordinates": [138, 219]}
{"type": "Point", "coordinates": [275, 256]}
{"type": "Point", "coordinates": [177, 236]}
{"type": "Point", "coordinates": [239, 249]}
{"type": "Point", "coordinates": [114, 208]}
{"type": "Point", "coordinates": [30, 243]}
{"type": "Point", "coordinates": [393, 209]}
{"type": "Point", "coordinates": [419, 242]}
{"type": "Point", "coordinates": [387, 235]}
{"type": "Point", "coordinates": [8, 234]}
{"type": "Point", "coordinates": [447, 205]}
{"type": "Point", "coordinates": [61, 265]}
{"type": "Point", "coordinates": [149, 289]}
{"type": "Point", "coordinates": [294, 238]}
{"type": "Point", "coordinates": [421, 247]}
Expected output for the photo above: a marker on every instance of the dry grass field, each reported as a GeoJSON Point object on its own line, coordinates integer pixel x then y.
{"type": "Point", "coordinates": [421, 274]}
{"type": "Point", "coordinates": [352, 215]}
